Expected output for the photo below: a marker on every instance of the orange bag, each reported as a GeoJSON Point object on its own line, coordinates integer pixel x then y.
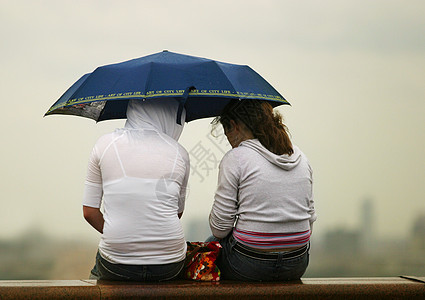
{"type": "Point", "coordinates": [200, 261]}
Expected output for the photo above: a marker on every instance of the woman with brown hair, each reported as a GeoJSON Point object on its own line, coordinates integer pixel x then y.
{"type": "Point", "coordinates": [263, 209]}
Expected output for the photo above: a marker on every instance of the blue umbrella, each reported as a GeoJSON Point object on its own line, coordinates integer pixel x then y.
{"type": "Point", "coordinates": [202, 86]}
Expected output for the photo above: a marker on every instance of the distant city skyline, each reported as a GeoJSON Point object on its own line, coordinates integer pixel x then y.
{"type": "Point", "coordinates": [341, 252]}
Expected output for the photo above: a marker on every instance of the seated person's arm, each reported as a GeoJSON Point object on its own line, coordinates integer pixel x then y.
{"type": "Point", "coordinates": [94, 217]}
{"type": "Point", "coordinates": [93, 193]}
{"type": "Point", "coordinates": [225, 208]}
{"type": "Point", "coordinates": [183, 188]}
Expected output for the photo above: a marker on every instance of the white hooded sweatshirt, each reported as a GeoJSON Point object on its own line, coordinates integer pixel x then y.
{"type": "Point", "coordinates": [139, 174]}
{"type": "Point", "coordinates": [264, 192]}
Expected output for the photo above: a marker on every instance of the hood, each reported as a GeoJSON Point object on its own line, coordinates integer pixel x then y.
{"type": "Point", "coordinates": [159, 115]}
{"type": "Point", "coordinates": [284, 161]}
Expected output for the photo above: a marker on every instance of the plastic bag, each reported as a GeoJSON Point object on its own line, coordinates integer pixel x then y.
{"type": "Point", "coordinates": [200, 263]}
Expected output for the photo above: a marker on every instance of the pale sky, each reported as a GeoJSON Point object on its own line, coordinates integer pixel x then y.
{"type": "Point", "coordinates": [352, 70]}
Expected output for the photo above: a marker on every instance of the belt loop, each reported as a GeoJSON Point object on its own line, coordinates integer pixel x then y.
{"type": "Point", "coordinates": [232, 240]}
{"type": "Point", "coordinates": [279, 257]}
{"type": "Point", "coordinates": [145, 273]}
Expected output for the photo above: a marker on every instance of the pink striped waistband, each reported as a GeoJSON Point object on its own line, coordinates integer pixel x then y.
{"type": "Point", "coordinates": [261, 240]}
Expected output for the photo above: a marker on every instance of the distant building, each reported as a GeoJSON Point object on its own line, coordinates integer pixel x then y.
{"type": "Point", "coordinates": [367, 225]}
{"type": "Point", "coordinates": [418, 234]}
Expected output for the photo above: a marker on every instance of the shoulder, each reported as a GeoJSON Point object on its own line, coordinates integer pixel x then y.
{"type": "Point", "coordinates": [241, 153]}
{"type": "Point", "coordinates": [304, 158]}
{"type": "Point", "coordinates": [105, 140]}
{"type": "Point", "coordinates": [301, 153]}
{"type": "Point", "coordinates": [234, 156]}
{"type": "Point", "coordinates": [183, 152]}
{"type": "Point", "coordinates": [174, 145]}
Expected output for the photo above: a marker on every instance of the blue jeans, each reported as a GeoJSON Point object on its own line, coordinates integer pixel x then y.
{"type": "Point", "coordinates": [235, 265]}
{"type": "Point", "coordinates": [104, 270]}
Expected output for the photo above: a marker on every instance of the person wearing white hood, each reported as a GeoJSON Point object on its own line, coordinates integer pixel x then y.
{"type": "Point", "coordinates": [139, 174]}
{"type": "Point", "coordinates": [263, 208]}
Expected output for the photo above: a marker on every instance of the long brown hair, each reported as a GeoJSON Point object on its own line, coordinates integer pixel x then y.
{"type": "Point", "coordinates": [265, 124]}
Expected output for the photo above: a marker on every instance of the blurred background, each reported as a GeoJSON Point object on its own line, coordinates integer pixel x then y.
{"type": "Point", "coordinates": [352, 70]}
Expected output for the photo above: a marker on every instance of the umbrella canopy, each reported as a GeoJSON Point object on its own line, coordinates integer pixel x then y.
{"type": "Point", "coordinates": [202, 86]}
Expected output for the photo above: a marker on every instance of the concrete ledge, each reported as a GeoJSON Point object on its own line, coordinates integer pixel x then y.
{"type": "Point", "coordinates": [49, 289]}
{"type": "Point", "coordinates": [309, 288]}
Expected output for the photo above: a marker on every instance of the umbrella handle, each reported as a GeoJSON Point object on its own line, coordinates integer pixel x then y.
{"type": "Point", "coordinates": [182, 101]}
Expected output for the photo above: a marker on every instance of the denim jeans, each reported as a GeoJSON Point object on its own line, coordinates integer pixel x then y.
{"type": "Point", "coordinates": [234, 265]}
{"type": "Point", "coordinates": [104, 270]}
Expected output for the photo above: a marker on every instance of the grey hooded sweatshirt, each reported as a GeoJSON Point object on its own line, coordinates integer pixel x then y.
{"type": "Point", "coordinates": [264, 192]}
